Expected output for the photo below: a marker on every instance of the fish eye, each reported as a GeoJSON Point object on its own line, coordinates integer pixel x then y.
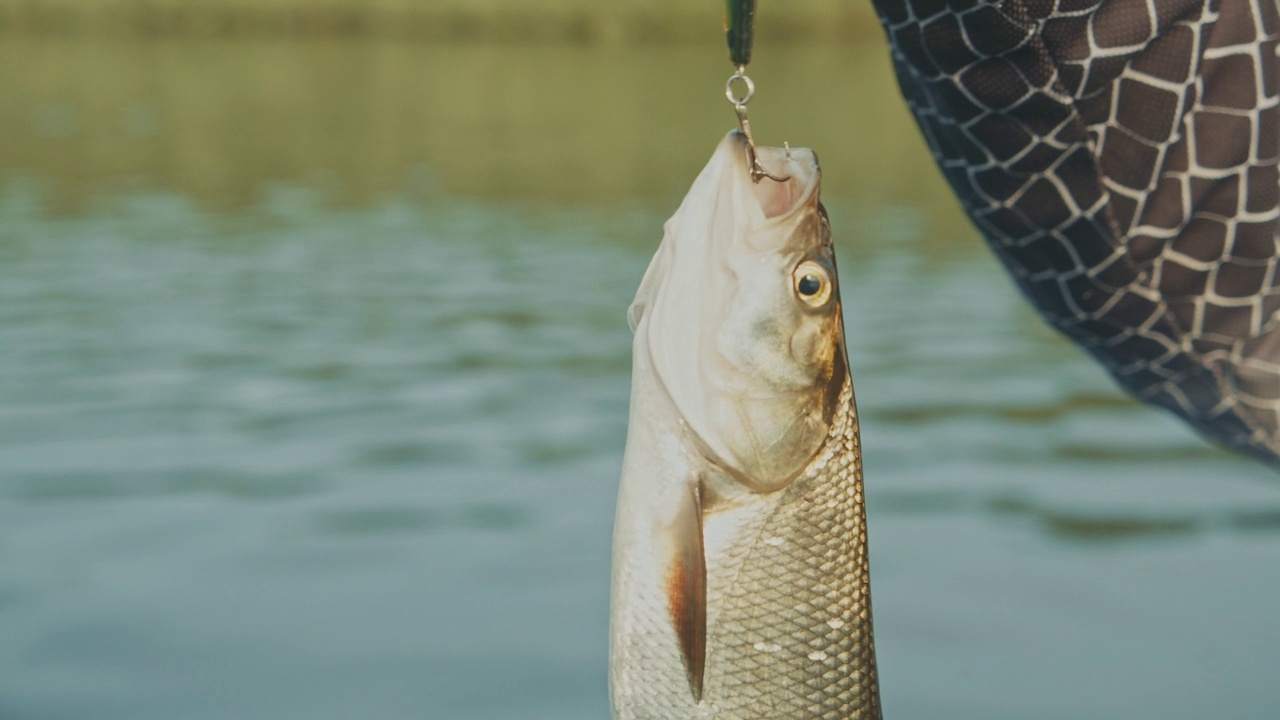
{"type": "Point", "coordinates": [812, 282]}
{"type": "Point", "coordinates": [809, 285]}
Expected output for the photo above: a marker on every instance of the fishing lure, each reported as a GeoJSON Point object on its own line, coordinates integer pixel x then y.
{"type": "Point", "coordinates": [740, 17]}
{"type": "Point", "coordinates": [740, 33]}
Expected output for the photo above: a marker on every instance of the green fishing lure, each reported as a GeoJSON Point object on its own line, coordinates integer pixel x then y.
{"type": "Point", "coordinates": [739, 22]}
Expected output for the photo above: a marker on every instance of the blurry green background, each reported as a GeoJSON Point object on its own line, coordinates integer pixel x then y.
{"type": "Point", "coordinates": [314, 375]}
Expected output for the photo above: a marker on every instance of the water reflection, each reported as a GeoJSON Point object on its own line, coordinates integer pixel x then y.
{"type": "Point", "coordinates": [374, 520]}
{"type": "Point", "coordinates": [360, 121]}
{"type": "Point", "coordinates": [321, 414]}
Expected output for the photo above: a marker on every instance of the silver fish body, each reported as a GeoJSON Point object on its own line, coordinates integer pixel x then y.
{"type": "Point", "coordinates": [740, 578]}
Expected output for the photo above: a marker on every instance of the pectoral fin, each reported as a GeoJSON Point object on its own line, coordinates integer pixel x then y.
{"type": "Point", "coordinates": [687, 588]}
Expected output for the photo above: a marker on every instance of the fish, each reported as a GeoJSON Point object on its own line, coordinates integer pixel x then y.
{"type": "Point", "coordinates": [741, 582]}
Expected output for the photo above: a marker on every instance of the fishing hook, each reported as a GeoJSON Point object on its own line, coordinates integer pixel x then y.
{"type": "Point", "coordinates": [740, 108]}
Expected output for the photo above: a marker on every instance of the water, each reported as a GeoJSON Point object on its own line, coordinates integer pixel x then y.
{"type": "Point", "coordinates": [313, 390]}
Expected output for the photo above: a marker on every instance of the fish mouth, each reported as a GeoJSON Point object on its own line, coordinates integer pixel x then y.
{"type": "Point", "coordinates": [715, 314]}
{"type": "Point", "coordinates": [798, 170]}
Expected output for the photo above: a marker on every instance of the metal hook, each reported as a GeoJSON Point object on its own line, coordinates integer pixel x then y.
{"type": "Point", "coordinates": [740, 108]}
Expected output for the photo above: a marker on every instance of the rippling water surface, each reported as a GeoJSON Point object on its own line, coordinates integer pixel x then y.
{"type": "Point", "coordinates": [313, 410]}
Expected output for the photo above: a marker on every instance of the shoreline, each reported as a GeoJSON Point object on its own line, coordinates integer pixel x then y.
{"type": "Point", "coordinates": [576, 22]}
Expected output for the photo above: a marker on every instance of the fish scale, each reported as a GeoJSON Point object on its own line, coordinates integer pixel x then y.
{"type": "Point", "coordinates": [807, 595]}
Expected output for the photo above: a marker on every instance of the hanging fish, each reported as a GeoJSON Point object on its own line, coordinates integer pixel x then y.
{"type": "Point", "coordinates": [740, 573]}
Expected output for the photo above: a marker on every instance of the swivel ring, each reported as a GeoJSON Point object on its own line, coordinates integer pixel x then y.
{"type": "Point", "coordinates": [747, 85]}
